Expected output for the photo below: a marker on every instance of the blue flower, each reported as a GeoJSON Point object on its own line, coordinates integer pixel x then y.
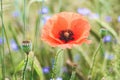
{"type": "Point", "coordinates": [93, 16]}
{"type": "Point", "coordinates": [108, 18]}
{"type": "Point", "coordinates": [83, 11]}
{"type": "Point", "coordinates": [45, 18]}
{"type": "Point", "coordinates": [107, 38]}
{"type": "Point", "coordinates": [109, 56]}
{"type": "Point", "coordinates": [118, 18]}
{"type": "Point", "coordinates": [46, 70]}
{"type": "Point", "coordinates": [1, 40]}
{"type": "Point", "coordinates": [44, 10]}
{"type": "Point", "coordinates": [13, 45]}
{"type": "Point", "coordinates": [15, 13]}
{"type": "Point", "coordinates": [59, 78]}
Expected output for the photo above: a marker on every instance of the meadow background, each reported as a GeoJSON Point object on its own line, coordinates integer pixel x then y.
{"type": "Point", "coordinates": [25, 21]}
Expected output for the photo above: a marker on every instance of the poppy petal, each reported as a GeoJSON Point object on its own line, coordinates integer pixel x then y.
{"type": "Point", "coordinates": [59, 25]}
{"type": "Point", "coordinates": [79, 28]}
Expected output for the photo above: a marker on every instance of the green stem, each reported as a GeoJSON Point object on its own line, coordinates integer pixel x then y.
{"type": "Point", "coordinates": [55, 64]}
{"type": "Point", "coordinates": [32, 68]}
{"type": "Point", "coordinates": [12, 62]}
{"type": "Point", "coordinates": [73, 75]}
{"type": "Point", "coordinates": [93, 62]}
{"type": "Point", "coordinates": [3, 50]}
{"type": "Point", "coordinates": [24, 70]}
{"type": "Point", "coordinates": [24, 19]}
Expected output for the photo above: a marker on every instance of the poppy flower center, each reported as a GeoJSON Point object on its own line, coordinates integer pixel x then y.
{"type": "Point", "coordinates": [66, 35]}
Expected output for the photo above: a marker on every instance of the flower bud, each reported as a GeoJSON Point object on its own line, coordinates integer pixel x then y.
{"type": "Point", "coordinates": [27, 46]}
{"type": "Point", "coordinates": [103, 32]}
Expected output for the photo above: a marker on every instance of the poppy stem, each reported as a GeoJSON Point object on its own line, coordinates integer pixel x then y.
{"type": "Point", "coordinates": [93, 62]}
{"type": "Point", "coordinates": [24, 70]}
{"type": "Point", "coordinates": [55, 64]}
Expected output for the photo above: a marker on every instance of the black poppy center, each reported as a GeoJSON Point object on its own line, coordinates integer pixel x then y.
{"type": "Point", "coordinates": [66, 35]}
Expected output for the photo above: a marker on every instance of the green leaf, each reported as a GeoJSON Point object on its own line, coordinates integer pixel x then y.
{"type": "Point", "coordinates": [19, 67]}
{"type": "Point", "coordinates": [37, 67]}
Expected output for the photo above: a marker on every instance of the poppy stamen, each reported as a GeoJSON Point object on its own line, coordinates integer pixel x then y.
{"type": "Point", "coordinates": [66, 35]}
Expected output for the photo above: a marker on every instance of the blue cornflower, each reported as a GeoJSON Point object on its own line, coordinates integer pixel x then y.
{"type": "Point", "coordinates": [109, 56]}
{"type": "Point", "coordinates": [93, 16]}
{"type": "Point", "coordinates": [44, 10]}
{"type": "Point", "coordinates": [46, 69]}
{"type": "Point", "coordinates": [108, 18]}
{"type": "Point", "coordinates": [59, 78]}
{"type": "Point", "coordinates": [83, 11]}
{"type": "Point", "coordinates": [45, 18]}
{"type": "Point", "coordinates": [118, 18]}
{"type": "Point", "coordinates": [107, 38]}
{"type": "Point", "coordinates": [15, 13]}
{"type": "Point", "coordinates": [13, 45]}
{"type": "Point", "coordinates": [1, 40]}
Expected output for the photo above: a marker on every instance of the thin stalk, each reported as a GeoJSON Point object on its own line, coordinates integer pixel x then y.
{"type": "Point", "coordinates": [55, 64]}
{"type": "Point", "coordinates": [12, 62]}
{"type": "Point", "coordinates": [73, 75]}
{"type": "Point", "coordinates": [24, 19]}
{"type": "Point", "coordinates": [32, 68]}
{"type": "Point", "coordinates": [93, 62]}
{"type": "Point", "coordinates": [24, 70]}
{"type": "Point", "coordinates": [3, 50]}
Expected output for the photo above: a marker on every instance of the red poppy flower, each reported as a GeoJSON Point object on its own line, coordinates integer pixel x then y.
{"type": "Point", "coordinates": [66, 29]}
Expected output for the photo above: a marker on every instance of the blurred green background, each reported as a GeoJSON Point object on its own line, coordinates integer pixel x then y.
{"type": "Point", "coordinates": [102, 14]}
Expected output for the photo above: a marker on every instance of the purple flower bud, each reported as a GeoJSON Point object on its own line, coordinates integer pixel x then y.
{"type": "Point", "coordinates": [13, 45]}
{"type": "Point", "coordinates": [46, 70]}
{"type": "Point", "coordinates": [107, 38]}
{"type": "Point", "coordinates": [108, 19]}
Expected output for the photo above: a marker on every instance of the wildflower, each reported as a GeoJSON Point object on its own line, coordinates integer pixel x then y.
{"type": "Point", "coordinates": [59, 78]}
{"type": "Point", "coordinates": [94, 16]}
{"type": "Point", "coordinates": [44, 10]}
{"type": "Point", "coordinates": [13, 45]}
{"type": "Point", "coordinates": [15, 13]}
{"type": "Point", "coordinates": [118, 18]}
{"type": "Point", "coordinates": [46, 70]}
{"type": "Point", "coordinates": [83, 11]}
{"type": "Point", "coordinates": [66, 29]}
{"type": "Point", "coordinates": [1, 40]}
{"type": "Point", "coordinates": [45, 18]}
{"type": "Point", "coordinates": [107, 38]}
{"type": "Point", "coordinates": [109, 56]}
{"type": "Point", "coordinates": [108, 18]}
